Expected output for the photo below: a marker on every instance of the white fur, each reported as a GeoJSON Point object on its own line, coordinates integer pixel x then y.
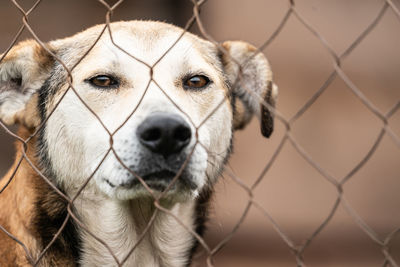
{"type": "Point", "coordinates": [120, 223]}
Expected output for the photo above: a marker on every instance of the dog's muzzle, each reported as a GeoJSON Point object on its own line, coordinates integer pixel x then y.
{"type": "Point", "coordinates": [164, 138]}
{"type": "Point", "coordinates": [165, 157]}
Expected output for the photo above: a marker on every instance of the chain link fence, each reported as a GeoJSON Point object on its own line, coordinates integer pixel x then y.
{"type": "Point", "coordinates": [207, 252]}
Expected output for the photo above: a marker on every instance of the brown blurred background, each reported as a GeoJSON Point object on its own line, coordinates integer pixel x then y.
{"type": "Point", "coordinates": [337, 131]}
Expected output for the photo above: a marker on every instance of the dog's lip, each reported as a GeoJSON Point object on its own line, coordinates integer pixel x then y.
{"type": "Point", "coordinates": [109, 183]}
{"type": "Point", "coordinates": [151, 179]}
{"type": "Point", "coordinates": [159, 175]}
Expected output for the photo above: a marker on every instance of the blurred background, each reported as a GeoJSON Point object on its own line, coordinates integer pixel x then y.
{"type": "Point", "coordinates": [337, 131]}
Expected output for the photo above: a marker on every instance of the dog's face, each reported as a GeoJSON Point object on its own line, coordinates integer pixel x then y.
{"type": "Point", "coordinates": [135, 110]}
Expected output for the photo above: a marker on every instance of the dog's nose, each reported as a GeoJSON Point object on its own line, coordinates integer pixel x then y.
{"type": "Point", "coordinates": [164, 134]}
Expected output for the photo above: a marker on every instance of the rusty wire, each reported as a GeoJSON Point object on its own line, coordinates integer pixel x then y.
{"type": "Point", "coordinates": [288, 139]}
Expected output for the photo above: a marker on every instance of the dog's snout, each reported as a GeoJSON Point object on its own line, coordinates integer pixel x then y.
{"type": "Point", "coordinates": [164, 134]}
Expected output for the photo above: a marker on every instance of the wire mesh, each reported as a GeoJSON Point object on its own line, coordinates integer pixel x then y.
{"type": "Point", "coordinates": [338, 183]}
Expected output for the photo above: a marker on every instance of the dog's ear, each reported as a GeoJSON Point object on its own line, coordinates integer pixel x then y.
{"type": "Point", "coordinates": [250, 78]}
{"type": "Point", "coordinates": [23, 71]}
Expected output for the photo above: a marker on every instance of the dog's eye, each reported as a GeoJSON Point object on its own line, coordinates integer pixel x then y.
{"type": "Point", "coordinates": [196, 82]}
{"type": "Point", "coordinates": [103, 81]}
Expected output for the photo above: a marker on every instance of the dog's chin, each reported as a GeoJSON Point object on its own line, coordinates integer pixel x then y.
{"type": "Point", "coordinates": [162, 184]}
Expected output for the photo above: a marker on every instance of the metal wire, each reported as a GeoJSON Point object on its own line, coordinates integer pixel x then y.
{"type": "Point", "coordinates": [288, 139]}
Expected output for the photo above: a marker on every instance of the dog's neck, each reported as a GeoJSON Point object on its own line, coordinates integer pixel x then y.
{"type": "Point", "coordinates": [124, 227]}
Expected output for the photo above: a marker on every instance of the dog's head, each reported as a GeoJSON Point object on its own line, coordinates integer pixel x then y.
{"type": "Point", "coordinates": [135, 108]}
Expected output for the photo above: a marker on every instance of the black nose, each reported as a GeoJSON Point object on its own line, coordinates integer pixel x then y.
{"type": "Point", "coordinates": [164, 134]}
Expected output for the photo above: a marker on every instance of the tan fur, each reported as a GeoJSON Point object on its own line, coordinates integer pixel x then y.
{"type": "Point", "coordinates": [29, 62]}
{"type": "Point", "coordinates": [251, 78]}
{"type": "Point", "coordinates": [28, 116]}
{"type": "Point", "coordinates": [17, 209]}
{"type": "Point", "coordinates": [239, 120]}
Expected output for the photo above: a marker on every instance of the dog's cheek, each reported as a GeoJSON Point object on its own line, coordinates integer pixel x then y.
{"type": "Point", "coordinates": [219, 128]}
{"type": "Point", "coordinates": [198, 166]}
{"type": "Point", "coordinates": [67, 159]}
{"type": "Point", "coordinates": [76, 142]}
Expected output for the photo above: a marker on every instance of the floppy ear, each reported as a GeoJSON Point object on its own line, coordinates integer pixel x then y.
{"type": "Point", "coordinates": [22, 72]}
{"type": "Point", "coordinates": [250, 77]}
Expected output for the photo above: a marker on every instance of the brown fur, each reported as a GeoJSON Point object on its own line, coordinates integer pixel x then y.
{"type": "Point", "coordinates": [29, 116]}
{"type": "Point", "coordinates": [19, 212]}
{"type": "Point", "coordinates": [16, 203]}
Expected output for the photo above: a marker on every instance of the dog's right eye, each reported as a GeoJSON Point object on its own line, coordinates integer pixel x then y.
{"type": "Point", "coordinates": [104, 81]}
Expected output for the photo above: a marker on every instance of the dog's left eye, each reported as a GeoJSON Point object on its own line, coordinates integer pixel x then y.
{"type": "Point", "coordinates": [104, 81]}
{"type": "Point", "coordinates": [196, 82]}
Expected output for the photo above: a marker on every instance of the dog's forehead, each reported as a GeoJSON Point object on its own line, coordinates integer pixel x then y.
{"type": "Point", "coordinates": [146, 41]}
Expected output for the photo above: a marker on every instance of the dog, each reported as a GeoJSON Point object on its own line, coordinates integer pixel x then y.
{"type": "Point", "coordinates": [114, 124]}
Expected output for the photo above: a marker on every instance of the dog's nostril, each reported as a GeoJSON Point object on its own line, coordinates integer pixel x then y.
{"type": "Point", "coordinates": [152, 134]}
{"type": "Point", "coordinates": [182, 134]}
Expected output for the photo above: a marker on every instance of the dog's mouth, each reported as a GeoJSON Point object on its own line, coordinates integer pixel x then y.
{"type": "Point", "coordinates": [159, 181]}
